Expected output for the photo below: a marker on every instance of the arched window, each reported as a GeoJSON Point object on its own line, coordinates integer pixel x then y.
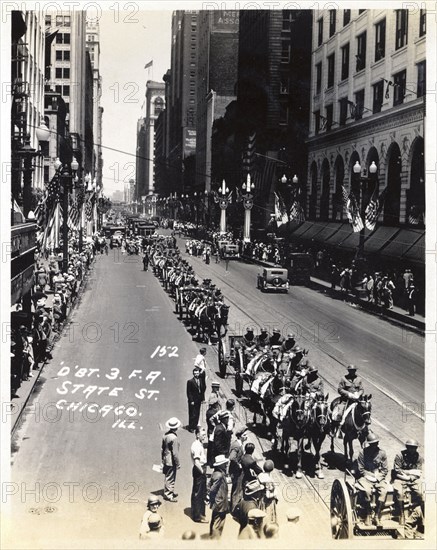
{"type": "Point", "coordinates": [416, 193]}
{"type": "Point", "coordinates": [324, 198]}
{"type": "Point", "coordinates": [313, 195]}
{"type": "Point", "coordinates": [159, 105]}
{"type": "Point", "coordinates": [392, 203]}
{"type": "Point", "coordinates": [338, 203]}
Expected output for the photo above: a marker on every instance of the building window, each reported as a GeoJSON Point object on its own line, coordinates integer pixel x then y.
{"type": "Point", "coordinates": [58, 89]}
{"type": "Point", "coordinates": [287, 19]}
{"type": "Point", "coordinates": [58, 72]}
{"type": "Point", "coordinates": [320, 29]}
{"type": "Point", "coordinates": [400, 80]}
{"type": "Point", "coordinates": [48, 20]}
{"type": "Point", "coordinates": [66, 55]}
{"type": "Point", "coordinates": [67, 21]}
{"type": "Point", "coordinates": [46, 173]}
{"type": "Point", "coordinates": [332, 21]}
{"type": "Point", "coordinates": [361, 11]}
{"type": "Point", "coordinates": [283, 114]}
{"type": "Point", "coordinates": [318, 78]}
{"type": "Point", "coordinates": [66, 38]}
{"type": "Point", "coordinates": [66, 90]}
{"type": "Point", "coordinates": [284, 85]}
{"type": "Point", "coordinates": [422, 23]}
{"type": "Point", "coordinates": [359, 104]}
{"type": "Point", "coordinates": [285, 52]}
{"type": "Point", "coordinates": [346, 17]}
{"type": "Point", "coordinates": [378, 91]}
{"type": "Point", "coordinates": [401, 28]}
{"type": "Point", "coordinates": [343, 110]}
{"type": "Point", "coordinates": [331, 70]}
{"type": "Point", "coordinates": [345, 62]}
{"type": "Point", "coordinates": [361, 51]}
{"type": "Point", "coordinates": [317, 121]}
{"type": "Point", "coordinates": [66, 73]}
{"type": "Point", "coordinates": [59, 20]}
{"type": "Point", "coordinates": [380, 40]}
{"type": "Point", "coordinates": [421, 78]}
{"type": "Point", "coordinates": [329, 116]}
{"type": "Point", "coordinates": [58, 55]}
{"type": "Point", "coordinates": [59, 38]}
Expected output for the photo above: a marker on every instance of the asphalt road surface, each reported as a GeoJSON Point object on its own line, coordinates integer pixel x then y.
{"type": "Point", "coordinates": [82, 460]}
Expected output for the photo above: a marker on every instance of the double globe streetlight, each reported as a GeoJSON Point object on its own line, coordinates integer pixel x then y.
{"type": "Point", "coordinates": [364, 179]}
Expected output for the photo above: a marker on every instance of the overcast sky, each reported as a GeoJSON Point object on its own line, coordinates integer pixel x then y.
{"type": "Point", "coordinates": [125, 48]}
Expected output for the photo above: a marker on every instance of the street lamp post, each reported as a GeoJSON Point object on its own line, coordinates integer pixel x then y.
{"type": "Point", "coordinates": [247, 198]}
{"type": "Point", "coordinates": [224, 203]}
{"type": "Point", "coordinates": [364, 180]}
{"type": "Point", "coordinates": [67, 176]}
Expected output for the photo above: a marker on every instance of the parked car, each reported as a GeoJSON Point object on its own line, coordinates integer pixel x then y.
{"type": "Point", "coordinates": [273, 278]}
{"type": "Point", "coordinates": [230, 250]}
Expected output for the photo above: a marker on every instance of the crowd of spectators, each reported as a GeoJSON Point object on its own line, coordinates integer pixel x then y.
{"type": "Point", "coordinates": [53, 294]}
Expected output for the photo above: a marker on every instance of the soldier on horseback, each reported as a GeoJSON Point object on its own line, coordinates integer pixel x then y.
{"type": "Point", "coordinates": [312, 384]}
{"type": "Point", "coordinates": [263, 339]}
{"type": "Point", "coordinates": [350, 389]}
{"type": "Point", "coordinates": [289, 343]}
{"type": "Point", "coordinates": [275, 339]}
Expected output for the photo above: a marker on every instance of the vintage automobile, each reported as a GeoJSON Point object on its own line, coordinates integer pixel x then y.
{"type": "Point", "coordinates": [300, 268]}
{"type": "Point", "coordinates": [273, 278]}
{"type": "Point", "coordinates": [230, 250]}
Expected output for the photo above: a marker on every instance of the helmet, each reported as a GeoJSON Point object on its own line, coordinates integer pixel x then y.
{"type": "Point", "coordinates": [372, 438]}
{"type": "Point", "coordinates": [351, 367]}
{"type": "Point", "coordinates": [411, 443]}
{"type": "Point", "coordinates": [153, 500]}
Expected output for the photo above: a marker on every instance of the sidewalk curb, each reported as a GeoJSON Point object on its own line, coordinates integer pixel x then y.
{"type": "Point", "coordinates": [411, 323]}
{"type": "Point", "coordinates": [38, 372]}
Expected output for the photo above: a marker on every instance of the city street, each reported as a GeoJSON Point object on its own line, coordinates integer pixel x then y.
{"type": "Point", "coordinates": [90, 464]}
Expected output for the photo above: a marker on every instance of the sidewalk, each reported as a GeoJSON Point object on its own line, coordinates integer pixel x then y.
{"type": "Point", "coordinates": [18, 404]}
{"type": "Point", "coordinates": [396, 314]}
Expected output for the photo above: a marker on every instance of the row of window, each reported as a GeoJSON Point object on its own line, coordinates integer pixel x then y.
{"type": "Point", "coordinates": [360, 57]}
{"type": "Point", "coordinates": [63, 38]}
{"type": "Point", "coordinates": [64, 90]}
{"type": "Point", "coordinates": [62, 72]}
{"type": "Point", "coordinates": [62, 55]}
{"type": "Point", "coordinates": [351, 110]}
{"type": "Point", "coordinates": [59, 20]}
{"type": "Point", "coordinates": [401, 31]}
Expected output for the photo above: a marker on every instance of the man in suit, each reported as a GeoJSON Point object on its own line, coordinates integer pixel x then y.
{"type": "Point", "coordinates": [249, 466]}
{"type": "Point", "coordinates": [218, 497]}
{"type": "Point", "coordinates": [170, 458]}
{"type": "Point", "coordinates": [195, 394]}
{"type": "Point", "coordinates": [222, 435]}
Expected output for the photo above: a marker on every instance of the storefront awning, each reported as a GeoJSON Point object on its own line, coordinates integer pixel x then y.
{"type": "Point", "coordinates": [301, 229]}
{"type": "Point", "coordinates": [402, 242]}
{"type": "Point", "coordinates": [313, 231]}
{"type": "Point", "coordinates": [416, 253]}
{"type": "Point", "coordinates": [328, 231]}
{"type": "Point", "coordinates": [342, 233]}
{"type": "Point", "coordinates": [378, 238]}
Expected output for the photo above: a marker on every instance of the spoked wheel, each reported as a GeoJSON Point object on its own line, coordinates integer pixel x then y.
{"type": "Point", "coordinates": [341, 511]}
{"type": "Point", "coordinates": [222, 357]}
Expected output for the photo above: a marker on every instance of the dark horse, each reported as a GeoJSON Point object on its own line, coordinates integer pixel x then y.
{"type": "Point", "coordinates": [212, 322]}
{"type": "Point", "coordinates": [355, 425]}
{"type": "Point", "coordinates": [295, 426]}
{"type": "Point", "coordinates": [319, 427]}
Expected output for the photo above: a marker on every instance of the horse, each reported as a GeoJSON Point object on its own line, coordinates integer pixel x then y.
{"type": "Point", "coordinates": [355, 425]}
{"type": "Point", "coordinates": [221, 320]}
{"type": "Point", "coordinates": [295, 426]}
{"type": "Point", "coordinates": [206, 315]}
{"type": "Point", "coordinates": [319, 427]}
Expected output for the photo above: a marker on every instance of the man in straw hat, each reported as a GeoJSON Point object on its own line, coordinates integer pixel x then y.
{"type": "Point", "coordinates": [252, 499]}
{"type": "Point", "coordinates": [218, 497]}
{"type": "Point", "coordinates": [170, 458]}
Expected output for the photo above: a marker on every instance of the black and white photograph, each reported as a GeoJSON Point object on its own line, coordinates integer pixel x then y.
{"type": "Point", "coordinates": [218, 269]}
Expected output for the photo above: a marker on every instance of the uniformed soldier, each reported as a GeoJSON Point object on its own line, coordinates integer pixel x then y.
{"type": "Point", "coordinates": [373, 469]}
{"type": "Point", "coordinates": [275, 339]}
{"type": "Point", "coordinates": [407, 475]}
{"type": "Point", "coordinates": [263, 339]}
{"type": "Point", "coordinates": [248, 341]}
{"type": "Point", "coordinates": [289, 343]}
{"type": "Point", "coordinates": [312, 384]}
{"type": "Point", "coordinates": [350, 389]}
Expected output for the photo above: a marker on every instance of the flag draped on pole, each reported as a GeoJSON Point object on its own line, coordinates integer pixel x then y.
{"type": "Point", "coordinates": [149, 64]}
{"type": "Point", "coordinates": [352, 210]}
{"type": "Point", "coordinates": [374, 209]}
{"type": "Point", "coordinates": [296, 212]}
{"type": "Point", "coordinates": [281, 215]}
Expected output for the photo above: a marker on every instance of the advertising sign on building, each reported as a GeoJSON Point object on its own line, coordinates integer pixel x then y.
{"type": "Point", "coordinates": [225, 20]}
{"type": "Point", "coordinates": [189, 141]}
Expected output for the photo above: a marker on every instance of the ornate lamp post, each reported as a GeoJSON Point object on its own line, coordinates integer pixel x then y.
{"type": "Point", "coordinates": [67, 175]}
{"type": "Point", "coordinates": [224, 203]}
{"type": "Point", "coordinates": [247, 198]}
{"type": "Point", "coordinates": [364, 180]}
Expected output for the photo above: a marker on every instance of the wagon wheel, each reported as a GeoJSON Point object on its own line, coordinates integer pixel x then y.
{"type": "Point", "coordinates": [239, 374]}
{"type": "Point", "coordinates": [341, 511]}
{"type": "Point", "coordinates": [223, 350]}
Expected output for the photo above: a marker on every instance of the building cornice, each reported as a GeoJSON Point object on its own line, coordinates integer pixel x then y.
{"type": "Point", "coordinates": [406, 114]}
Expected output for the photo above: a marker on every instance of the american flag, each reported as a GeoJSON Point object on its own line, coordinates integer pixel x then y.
{"type": "Point", "coordinates": [352, 210]}
{"type": "Point", "coordinates": [88, 210]}
{"type": "Point", "coordinates": [73, 218]}
{"type": "Point", "coordinates": [374, 209]}
{"type": "Point", "coordinates": [416, 215]}
{"type": "Point", "coordinates": [296, 212]}
{"type": "Point", "coordinates": [40, 212]}
{"type": "Point", "coordinates": [281, 215]}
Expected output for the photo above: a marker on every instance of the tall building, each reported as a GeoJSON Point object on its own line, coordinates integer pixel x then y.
{"type": "Point", "coordinates": [217, 59]}
{"type": "Point", "coordinates": [367, 105]}
{"type": "Point", "coordinates": [93, 48]}
{"type": "Point", "coordinates": [68, 77]}
{"type": "Point", "coordinates": [181, 100]}
{"type": "Point", "coordinates": [146, 139]}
